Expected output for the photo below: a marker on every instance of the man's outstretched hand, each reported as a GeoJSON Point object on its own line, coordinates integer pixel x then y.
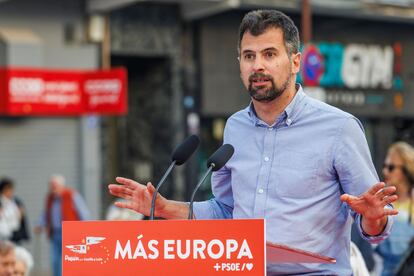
{"type": "Point", "coordinates": [137, 197]}
{"type": "Point", "coordinates": [371, 206]}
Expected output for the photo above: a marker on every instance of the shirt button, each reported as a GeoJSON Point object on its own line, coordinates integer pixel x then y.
{"type": "Point", "coordinates": [260, 191]}
{"type": "Point", "coordinates": [270, 129]}
{"type": "Point", "coordinates": [288, 121]}
{"type": "Point", "coordinates": [266, 159]}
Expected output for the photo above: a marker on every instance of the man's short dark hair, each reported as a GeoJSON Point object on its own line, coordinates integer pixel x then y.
{"type": "Point", "coordinates": [258, 21]}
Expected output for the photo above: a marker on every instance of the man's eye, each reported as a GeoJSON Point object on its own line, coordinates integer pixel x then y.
{"type": "Point", "coordinates": [270, 54]}
{"type": "Point", "coordinates": [248, 57]}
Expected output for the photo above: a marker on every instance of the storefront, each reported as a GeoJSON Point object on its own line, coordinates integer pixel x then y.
{"type": "Point", "coordinates": [359, 65]}
{"type": "Point", "coordinates": [46, 35]}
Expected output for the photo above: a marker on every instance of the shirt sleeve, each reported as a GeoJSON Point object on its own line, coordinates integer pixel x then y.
{"type": "Point", "coordinates": [221, 206]}
{"type": "Point", "coordinates": [81, 208]}
{"type": "Point", "coordinates": [355, 170]}
{"type": "Point", "coordinates": [378, 238]}
{"type": "Point", "coordinates": [352, 159]}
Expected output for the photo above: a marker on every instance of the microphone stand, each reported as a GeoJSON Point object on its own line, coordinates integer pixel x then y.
{"type": "Point", "coordinates": [154, 196]}
{"type": "Point", "coordinates": [210, 168]}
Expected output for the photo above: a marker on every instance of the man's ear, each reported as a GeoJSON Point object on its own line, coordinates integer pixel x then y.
{"type": "Point", "coordinates": [296, 62]}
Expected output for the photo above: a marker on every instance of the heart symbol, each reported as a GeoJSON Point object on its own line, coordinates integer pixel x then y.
{"type": "Point", "coordinates": [249, 266]}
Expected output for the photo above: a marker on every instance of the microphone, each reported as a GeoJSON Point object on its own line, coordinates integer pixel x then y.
{"type": "Point", "coordinates": [216, 161]}
{"type": "Point", "coordinates": [179, 157]}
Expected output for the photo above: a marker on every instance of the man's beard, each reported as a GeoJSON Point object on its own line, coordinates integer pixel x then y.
{"type": "Point", "coordinates": [270, 93]}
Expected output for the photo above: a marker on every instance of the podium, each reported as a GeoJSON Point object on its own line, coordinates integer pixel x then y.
{"type": "Point", "coordinates": [174, 247]}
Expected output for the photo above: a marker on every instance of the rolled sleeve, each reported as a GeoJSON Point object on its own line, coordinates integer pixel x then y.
{"type": "Point", "coordinates": [212, 209]}
{"type": "Point", "coordinates": [378, 238]}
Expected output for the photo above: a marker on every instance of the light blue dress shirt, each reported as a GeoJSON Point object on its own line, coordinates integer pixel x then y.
{"type": "Point", "coordinates": [292, 173]}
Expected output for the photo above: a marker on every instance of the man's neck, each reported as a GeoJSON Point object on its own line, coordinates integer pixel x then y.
{"type": "Point", "coordinates": [270, 111]}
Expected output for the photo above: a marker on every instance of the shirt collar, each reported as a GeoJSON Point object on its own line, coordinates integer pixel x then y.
{"type": "Point", "coordinates": [289, 115]}
{"type": "Point", "coordinates": [295, 106]}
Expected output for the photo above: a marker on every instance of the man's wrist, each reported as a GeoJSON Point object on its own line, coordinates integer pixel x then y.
{"type": "Point", "coordinates": [373, 227]}
{"type": "Point", "coordinates": [173, 210]}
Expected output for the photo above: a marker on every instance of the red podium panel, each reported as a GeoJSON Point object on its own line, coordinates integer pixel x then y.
{"type": "Point", "coordinates": [164, 247]}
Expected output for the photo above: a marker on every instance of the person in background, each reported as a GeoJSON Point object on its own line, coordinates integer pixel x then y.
{"type": "Point", "coordinates": [62, 204]}
{"type": "Point", "coordinates": [358, 265]}
{"type": "Point", "coordinates": [7, 258]}
{"type": "Point", "coordinates": [21, 232]}
{"type": "Point", "coordinates": [24, 262]}
{"type": "Point", "coordinates": [398, 171]}
{"type": "Point", "coordinates": [9, 212]}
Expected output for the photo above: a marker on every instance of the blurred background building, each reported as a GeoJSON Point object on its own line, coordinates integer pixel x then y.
{"type": "Point", "coordinates": [183, 77]}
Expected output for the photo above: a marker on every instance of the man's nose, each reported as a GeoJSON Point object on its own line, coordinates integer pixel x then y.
{"type": "Point", "coordinates": [258, 65]}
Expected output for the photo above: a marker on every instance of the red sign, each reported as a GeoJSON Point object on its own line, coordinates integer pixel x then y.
{"type": "Point", "coordinates": [165, 247]}
{"type": "Point", "coordinates": [105, 91]}
{"type": "Point", "coordinates": [50, 92]}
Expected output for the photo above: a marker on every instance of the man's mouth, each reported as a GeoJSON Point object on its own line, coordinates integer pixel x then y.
{"type": "Point", "coordinates": [260, 81]}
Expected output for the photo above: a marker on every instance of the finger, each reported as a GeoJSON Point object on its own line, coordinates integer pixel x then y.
{"type": "Point", "coordinates": [390, 212]}
{"type": "Point", "coordinates": [387, 191]}
{"type": "Point", "coordinates": [122, 193]}
{"type": "Point", "coordinates": [374, 189]}
{"type": "Point", "coordinates": [120, 188]}
{"type": "Point", "coordinates": [127, 182]}
{"type": "Point", "coordinates": [389, 199]}
{"type": "Point", "coordinates": [347, 198]}
{"type": "Point", "coordinates": [126, 204]}
{"type": "Point", "coordinates": [115, 186]}
{"type": "Point", "coordinates": [150, 188]}
{"type": "Point", "coordinates": [117, 193]}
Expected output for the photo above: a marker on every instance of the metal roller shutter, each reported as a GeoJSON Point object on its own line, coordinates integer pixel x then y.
{"type": "Point", "coordinates": [31, 149]}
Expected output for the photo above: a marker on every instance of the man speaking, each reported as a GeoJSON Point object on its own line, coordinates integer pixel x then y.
{"type": "Point", "coordinates": [299, 163]}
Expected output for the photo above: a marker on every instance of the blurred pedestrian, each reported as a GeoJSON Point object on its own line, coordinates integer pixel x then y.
{"type": "Point", "coordinates": [62, 204]}
{"type": "Point", "coordinates": [7, 258]}
{"type": "Point", "coordinates": [9, 211]}
{"type": "Point", "coordinates": [24, 262]}
{"type": "Point", "coordinates": [19, 222]}
{"type": "Point", "coordinates": [398, 171]}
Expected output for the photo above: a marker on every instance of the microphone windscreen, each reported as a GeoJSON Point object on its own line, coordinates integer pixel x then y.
{"type": "Point", "coordinates": [220, 157]}
{"type": "Point", "coordinates": [185, 150]}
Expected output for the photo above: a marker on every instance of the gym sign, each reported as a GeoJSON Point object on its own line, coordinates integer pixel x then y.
{"type": "Point", "coordinates": [354, 66]}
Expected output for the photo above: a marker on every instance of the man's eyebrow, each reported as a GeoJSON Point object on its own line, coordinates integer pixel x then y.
{"type": "Point", "coordinates": [262, 51]}
{"type": "Point", "coordinates": [269, 49]}
{"type": "Point", "coordinates": [247, 51]}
